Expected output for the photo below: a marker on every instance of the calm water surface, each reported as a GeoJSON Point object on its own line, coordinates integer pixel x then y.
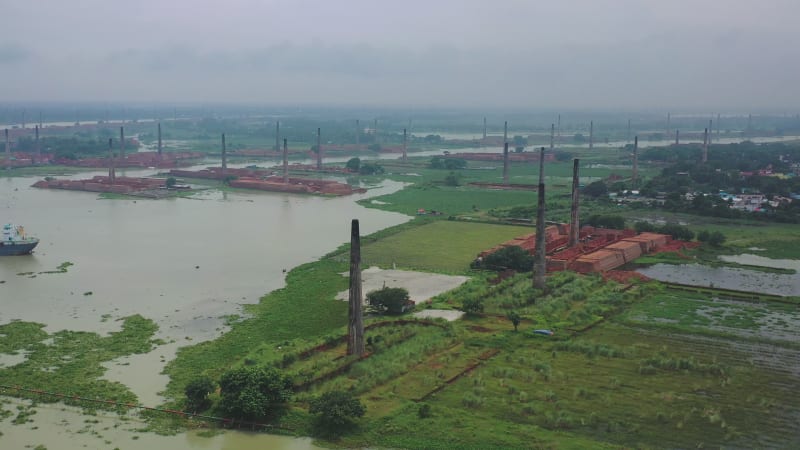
{"type": "Point", "coordinates": [182, 262]}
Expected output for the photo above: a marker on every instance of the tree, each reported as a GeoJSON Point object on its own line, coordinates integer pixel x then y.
{"type": "Point", "coordinates": [644, 227]}
{"type": "Point", "coordinates": [171, 181]}
{"type": "Point", "coordinates": [369, 168]}
{"type": "Point", "coordinates": [716, 238]}
{"type": "Point", "coordinates": [336, 410]}
{"type": "Point", "coordinates": [472, 305]}
{"type": "Point", "coordinates": [452, 179]}
{"type": "Point", "coordinates": [254, 392]}
{"type": "Point", "coordinates": [389, 299]}
{"type": "Point", "coordinates": [677, 231]}
{"type": "Point", "coordinates": [596, 189]}
{"type": "Point", "coordinates": [603, 221]}
{"type": "Point", "coordinates": [353, 164]}
{"type": "Point", "coordinates": [515, 318]}
{"type": "Point", "coordinates": [512, 257]}
{"type": "Point", "coordinates": [197, 392]}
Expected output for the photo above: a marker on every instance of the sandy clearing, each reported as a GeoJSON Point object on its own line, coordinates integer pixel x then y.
{"type": "Point", "coordinates": [421, 286]}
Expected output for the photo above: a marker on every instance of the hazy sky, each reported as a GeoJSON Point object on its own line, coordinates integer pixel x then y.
{"type": "Point", "coordinates": [702, 55]}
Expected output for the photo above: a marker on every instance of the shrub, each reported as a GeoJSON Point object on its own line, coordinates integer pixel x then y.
{"type": "Point", "coordinates": [197, 392]}
{"type": "Point", "coordinates": [253, 392]}
{"type": "Point", "coordinates": [336, 410]}
{"type": "Point", "coordinates": [388, 299]}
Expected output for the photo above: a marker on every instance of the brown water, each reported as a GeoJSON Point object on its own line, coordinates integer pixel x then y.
{"type": "Point", "coordinates": [726, 278]}
{"type": "Point", "coordinates": [183, 262]}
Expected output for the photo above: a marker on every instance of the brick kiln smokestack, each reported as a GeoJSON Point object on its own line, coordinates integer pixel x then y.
{"type": "Point", "coordinates": [355, 326]}
{"type": "Point", "coordinates": [539, 257]}
{"type": "Point", "coordinates": [358, 135]}
{"type": "Point", "coordinates": [112, 175]}
{"type": "Point", "coordinates": [677, 136]}
{"type": "Point", "coordinates": [505, 132]}
{"type": "Point", "coordinates": [717, 127]}
{"type": "Point", "coordinates": [591, 134]}
{"type": "Point", "coordinates": [628, 136]}
{"type": "Point", "coordinates": [541, 165]}
{"type": "Point", "coordinates": [277, 135]}
{"type": "Point", "coordinates": [38, 145]}
{"type": "Point", "coordinates": [484, 128]}
{"type": "Point", "coordinates": [710, 128]}
{"type": "Point", "coordinates": [375, 130]}
{"type": "Point", "coordinates": [160, 147]}
{"type": "Point", "coordinates": [558, 130]}
{"type": "Point", "coordinates": [705, 145]}
{"type": "Point", "coordinates": [8, 152]}
{"type": "Point", "coordinates": [405, 144]}
{"type": "Point", "coordinates": [224, 157]}
{"type": "Point", "coordinates": [319, 149]}
{"type": "Point", "coordinates": [668, 125]}
{"type": "Point", "coordinates": [635, 177]}
{"type": "Point", "coordinates": [574, 225]}
{"type": "Point", "coordinates": [552, 135]}
{"type": "Point", "coordinates": [285, 162]}
{"type": "Point", "coordinates": [121, 143]}
{"type": "Point", "coordinates": [505, 163]}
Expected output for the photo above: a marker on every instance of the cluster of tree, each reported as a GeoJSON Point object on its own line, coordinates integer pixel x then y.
{"type": "Point", "coordinates": [253, 393]}
{"type": "Point", "coordinates": [673, 229]}
{"type": "Point", "coordinates": [370, 168]}
{"type": "Point", "coordinates": [335, 411]}
{"type": "Point", "coordinates": [439, 162]}
{"type": "Point", "coordinates": [596, 189]}
{"type": "Point", "coordinates": [511, 257]}
{"type": "Point", "coordinates": [715, 238]}
{"type": "Point", "coordinates": [390, 300]}
{"type": "Point", "coordinates": [452, 179]}
{"type": "Point", "coordinates": [71, 147]}
{"type": "Point", "coordinates": [606, 221]}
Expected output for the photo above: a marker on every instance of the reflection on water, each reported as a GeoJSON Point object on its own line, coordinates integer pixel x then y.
{"type": "Point", "coordinates": [726, 278]}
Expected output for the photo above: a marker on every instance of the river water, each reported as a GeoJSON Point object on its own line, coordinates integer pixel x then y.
{"type": "Point", "coordinates": [184, 262]}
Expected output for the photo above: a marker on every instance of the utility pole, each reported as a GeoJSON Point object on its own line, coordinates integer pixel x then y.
{"type": "Point", "coordinates": [574, 226]}
{"type": "Point", "coordinates": [285, 162]}
{"type": "Point", "coordinates": [355, 323]}
{"type": "Point", "coordinates": [319, 149]}
{"type": "Point", "coordinates": [505, 164]}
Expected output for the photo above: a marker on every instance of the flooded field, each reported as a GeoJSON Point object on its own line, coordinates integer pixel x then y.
{"type": "Point", "coordinates": [726, 278]}
{"type": "Point", "coordinates": [185, 263]}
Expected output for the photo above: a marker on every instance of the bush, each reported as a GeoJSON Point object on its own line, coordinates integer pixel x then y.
{"type": "Point", "coordinates": [391, 300]}
{"type": "Point", "coordinates": [353, 165]}
{"type": "Point", "coordinates": [424, 411]}
{"type": "Point", "coordinates": [197, 392]}
{"type": "Point", "coordinates": [336, 410]}
{"type": "Point", "coordinates": [254, 392]}
{"type": "Point", "coordinates": [472, 305]}
{"type": "Point", "coordinates": [601, 221]}
{"type": "Point", "coordinates": [511, 257]}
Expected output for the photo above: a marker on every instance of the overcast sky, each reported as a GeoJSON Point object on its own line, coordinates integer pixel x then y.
{"type": "Point", "coordinates": [704, 55]}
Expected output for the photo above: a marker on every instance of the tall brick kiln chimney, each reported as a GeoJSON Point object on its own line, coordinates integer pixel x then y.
{"type": "Point", "coordinates": [358, 135]}
{"type": "Point", "coordinates": [224, 157]}
{"type": "Point", "coordinates": [635, 176]}
{"type": "Point", "coordinates": [277, 135]}
{"type": "Point", "coordinates": [677, 136]}
{"type": "Point", "coordinates": [160, 146]}
{"type": "Point", "coordinates": [484, 128]}
{"type": "Point", "coordinates": [552, 135]}
{"type": "Point", "coordinates": [405, 145]}
{"type": "Point", "coordinates": [285, 162]}
{"type": "Point", "coordinates": [505, 163]}
{"type": "Point", "coordinates": [355, 323]}
{"type": "Point", "coordinates": [574, 225]}
{"type": "Point", "coordinates": [505, 132]}
{"type": "Point", "coordinates": [112, 175]}
{"type": "Point", "coordinates": [539, 257]}
{"type": "Point", "coordinates": [8, 152]}
{"type": "Point", "coordinates": [705, 145]}
{"type": "Point", "coordinates": [122, 143]}
{"type": "Point", "coordinates": [38, 145]}
{"type": "Point", "coordinates": [319, 149]}
{"type": "Point", "coordinates": [591, 134]}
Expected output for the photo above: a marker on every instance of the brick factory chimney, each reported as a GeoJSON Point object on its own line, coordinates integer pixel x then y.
{"type": "Point", "coordinates": [717, 127]}
{"type": "Point", "coordinates": [484, 128]}
{"type": "Point", "coordinates": [160, 146]}
{"type": "Point", "coordinates": [405, 145]}
{"type": "Point", "coordinates": [277, 135]}
{"type": "Point", "coordinates": [541, 165]}
{"type": "Point", "coordinates": [628, 136]}
{"type": "Point", "coordinates": [285, 162]}
{"type": "Point", "coordinates": [8, 152]}
{"type": "Point", "coordinates": [358, 135]}
{"type": "Point", "coordinates": [558, 130]}
{"type": "Point", "coordinates": [591, 134]}
{"type": "Point", "coordinates": [574, 225]}
{"type": "Point", "coordinates": [677, 136]}
{"type": "Point", "coordinates": [112, 175]}
{"type": "Point", "coordinates": [505, 164]}
{"type": "Point", "coordinates": [710, 128]}
{"type": "Point", "coordinates": [319, 149]}
{"type": "Point", "coordinates": [122, 143]}
{"type": "Point", "coordinates": [668, 125]}
{"type": "Point", "coordinates": [23, 119]}
{"type": "Point", "coordinates": [224, 158]}
{"type": "Point", "coordinates": [635, 177]}
{"type": "Point", "coordinates": [505, 132]}
{"type": "Point", "coordinates": [539, 257]}
{"type": "Point", "coordinates": [705, 145]}
{"type": "Point", "coordinates": [355, 323]}
{"type": "Point", "coordinates": [375, 131]}
{"type": "Point", "coordinates": [552, 135]}
{"type": "Point", "coordinates": [38, 145]}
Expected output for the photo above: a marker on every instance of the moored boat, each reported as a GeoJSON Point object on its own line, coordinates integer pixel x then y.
{"type": "Point", "coordinates": [15, 242]}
